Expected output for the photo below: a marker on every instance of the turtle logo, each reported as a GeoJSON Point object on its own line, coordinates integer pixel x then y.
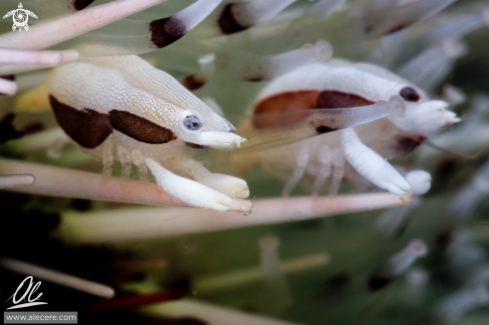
{"type": "Point", "coordinates": [20, 17]}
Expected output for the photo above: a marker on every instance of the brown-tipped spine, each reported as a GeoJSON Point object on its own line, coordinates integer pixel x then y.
{"type": "Point", "coordinates": [227, 21]}
{"type": "Point", "coordinates": [166, 31]}
{"type": "Point", "coordinates": [192, 82]}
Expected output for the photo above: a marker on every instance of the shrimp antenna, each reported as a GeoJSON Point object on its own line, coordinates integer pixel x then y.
{"type": "Point", "coordinates": [453, 153]}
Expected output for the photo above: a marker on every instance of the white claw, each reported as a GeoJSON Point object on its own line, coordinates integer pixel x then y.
{"type": "Point", "coordinates": [371, 165]}
{"type": "Point", "coordinates": [229, 185]}
{"type": "Point", "coordinates": [420, 181]}
{"type": "Point", "coordinates": [219, 140]}
{"type": "Point", "coordinates": [187, 190]}
{"type": "Point", "coordinates": [440, 107]}
{"type": "Point", "coordinates": [434, 116]}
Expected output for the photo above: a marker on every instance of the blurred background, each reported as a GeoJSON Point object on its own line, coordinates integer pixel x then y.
{"type": "Point", "coordinates": [346, 269]}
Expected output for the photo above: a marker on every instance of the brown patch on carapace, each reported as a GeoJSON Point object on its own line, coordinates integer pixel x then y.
{"type": "Point", "coordinates": [10, 77]}
{"type": "Point", "coordinates": [286, 102]}
{"type": "Point", "coordinates": [338, 99]}
{"type": "Point", "coordinates": [228, 23]}
{"type": "Point", "coordinates": [192, 83]}
{"type": "Point", "coordinates": [407, 144]}
{"type": "Point", "coordinates": [166, 31]}
{"type": "Point", "coordinates": [302, 100]}
{"type": "Point", "coordinates": [81, 4]}
{"type": "Point", "coordinates": [140, 128]}
{"type": "Point", "coordinates": [87, 127]}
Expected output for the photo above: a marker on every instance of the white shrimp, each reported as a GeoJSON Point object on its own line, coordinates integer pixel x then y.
{"type": "Point", "coordinates": [344, 87]}
{"type": "Point", "coordinates": [124, 103]}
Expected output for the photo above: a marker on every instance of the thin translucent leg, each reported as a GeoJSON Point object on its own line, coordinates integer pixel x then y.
{"type": "Point", "coordinates": [338, 162]}
{"type": "Point", "coordinates": [325, 160]}
{"type": "Point", "coordinates": [300, 168]}
{"type": "Point", "coordinates": [138, 160]}
{"type": "Point", "coordinates": [107, 157]}
{"type": "Point", "coordinates": [125, 158]}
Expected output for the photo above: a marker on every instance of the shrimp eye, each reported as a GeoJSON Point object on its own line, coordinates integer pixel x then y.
{"type": "Point", "coordinates": [192, 123]}
{"type": "Point", "coordinates": [409, 94]}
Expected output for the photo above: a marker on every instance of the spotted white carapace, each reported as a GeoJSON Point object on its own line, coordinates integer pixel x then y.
{"type": "Point", "coordinates": [125, 105]}
{"type": "Point", "coordinates": [402, 116]}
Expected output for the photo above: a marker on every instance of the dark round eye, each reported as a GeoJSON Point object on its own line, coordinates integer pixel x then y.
{"type": "Point", "coordinates": [409, 94]}
{"type": "Point", "coordinates": [192, 123]}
